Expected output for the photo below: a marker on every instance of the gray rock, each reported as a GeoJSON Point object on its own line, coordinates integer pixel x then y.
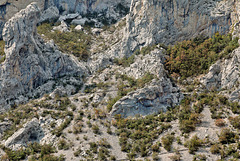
{"type": "Point", "coordinates": [154, 97]}
{"type": "Point", "coordinates": [63, 27]}
{"type": "Point", "coordinates": [50, 14]}
{"type": "Point", "coordinates": [78, 28]}
{"type": "Point", "coordinates": [30, 63]}
{"type": "Point", "coordinates": [9, 7]}
{"type": "Point", "coordinates": [225, 75]}
{"type": "Point", "coordinates": [149, 100]}
{"type": "Point", "coordinates": [31, 132]}
{"type": "Point", "coordinates": [78, 21]}
{"type": "Point", "coordinates": [151, 22]}
{"type": "Point", "coordinates": [68, 17]}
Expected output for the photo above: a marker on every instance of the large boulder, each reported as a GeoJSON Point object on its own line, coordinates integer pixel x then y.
{"type": "Point", "coordinates": [31, 132]}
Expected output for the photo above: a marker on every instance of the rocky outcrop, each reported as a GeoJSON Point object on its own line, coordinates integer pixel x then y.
{"type": "Point", "coordinates": [31, 132]}
{"type": "Point", "coordinates": [225, 75]}
{"type": "Point", "coordinates": [8, 8]}
{"type": "Point", "coordinates": [30, 63]}
{"type": "Point", "coordinates": [109, 10]}
{"type": "Point", "coordinates": [153, 21]}
{"type": "Point", "coordinates": [157, 96]}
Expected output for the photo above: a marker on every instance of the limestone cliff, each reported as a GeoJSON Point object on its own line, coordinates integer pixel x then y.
{"type": "Point", "coordinates": [153, 21]}
{"type": "Point", "coordinates": [30, 62]}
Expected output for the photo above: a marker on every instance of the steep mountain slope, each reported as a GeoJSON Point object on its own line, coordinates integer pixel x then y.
{"type": "Point", "coordinates": [30, 62]}
{"type": "Point", "coordinates": [120, 102]}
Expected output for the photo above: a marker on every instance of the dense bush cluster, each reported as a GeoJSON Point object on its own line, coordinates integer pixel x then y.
{"type": "Point", "coordinates": [191, 107]}
{"type": "Point", "coordinates": [35, 150]}
{"type": "Point", "coordinates": [136, 136]}
{"type": "Point", "coordinates": [74, 42]}
{"type": "Point", "coordinates": [194, 57]}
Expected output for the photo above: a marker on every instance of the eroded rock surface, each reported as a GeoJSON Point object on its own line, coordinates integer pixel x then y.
{"type": "Point", "coordinates": [31, 63]}
{"type": "Point", "coordinates": [157, 96]}
{"type": "Point", "coordinates": [225, 75]}
{"type": "Point", "coordinates": [153, 21]}
{"type": "Point", "coordinates": [31, 132]}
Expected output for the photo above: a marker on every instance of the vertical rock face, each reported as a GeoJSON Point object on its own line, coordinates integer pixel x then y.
{"type": "Point", "coordinates": [8, 8]}
{"type": "Point", "coordinates": [168, 21]}
{"type": "Point", "coordinates": [85, 6]}
{"type": "Point", "coordinates": [29, 61]}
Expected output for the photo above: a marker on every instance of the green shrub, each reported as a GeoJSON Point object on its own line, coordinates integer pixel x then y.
{"type": "Point", "coordinates": [215, 149]}
{"type": "Point", "coordinates": [63, 145]}
{"type": "Point", "coordinates": [226, 136]}
{"type": "Point", "coordinates": [199, 157]}
{"type": "Point", "coordinates": [220, 122]}
{"type": "Point", "coordinates": [155, 156]}
{"type": "Point", "coordinates": [58, 131]}
{"type": "Point", "coordinates": [193, 144]}
{"type": "Point", "coordinates": [167, 141]}
{"type": "Point", "coordinates": [155, 148]}
{"type": "Point", "coordinates": [95, 129]}
{"type": "Point", "coordinates": [2, 45]}
{"type": "Point", "coordinates": [125, 62]}
{"type": "Point", "coordinates": [235, 121]}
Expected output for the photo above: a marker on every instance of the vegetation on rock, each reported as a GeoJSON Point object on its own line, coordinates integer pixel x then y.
{"type": "Point", "coordinates": [194, 57]}
{"type": "Point", "coordinates": [73, 42]}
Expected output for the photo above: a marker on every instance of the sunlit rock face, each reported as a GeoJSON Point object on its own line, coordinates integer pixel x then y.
{"type": "Point", "coordinates": [164, 21]}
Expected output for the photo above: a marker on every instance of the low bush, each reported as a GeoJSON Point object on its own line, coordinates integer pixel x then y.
{"type": "Point", "coordinates": [215, 149]}
{"type": "Point", "coordinates": [226, 136]}
{"type": "Point", "coordinates": [167, 141]}
{"type": "Point", "coordinates": [235, 121]}
{"type": "Point", "coordinates": [193, 144]}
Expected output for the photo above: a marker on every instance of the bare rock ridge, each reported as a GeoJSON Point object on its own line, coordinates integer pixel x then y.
{"type": "Point", "coordinates": [31, 63]}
